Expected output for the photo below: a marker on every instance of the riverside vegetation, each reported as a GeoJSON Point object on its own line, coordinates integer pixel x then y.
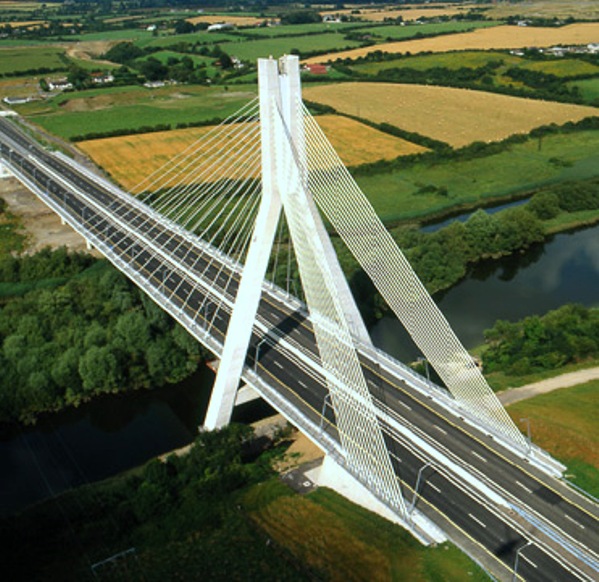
{"type": "Point", "coordinates": [217, 513]}
{"type": "Point", "coordinates": [72, 327]}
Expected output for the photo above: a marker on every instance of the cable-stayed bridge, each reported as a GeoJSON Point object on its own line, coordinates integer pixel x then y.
{"type": "Point", "coordinates": [202, 236]}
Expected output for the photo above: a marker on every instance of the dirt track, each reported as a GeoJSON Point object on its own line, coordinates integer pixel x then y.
{"type": "Point", "coordinates": [563, 381]}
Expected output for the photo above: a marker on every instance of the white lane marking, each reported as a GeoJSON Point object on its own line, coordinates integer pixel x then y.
{"type": "Point", "coordinates": [523, 487]}
{"type": "Point", "coordinates": [430, 484]}
{"type": "Point", "coordinates": [440, 429]}
{"type": "Point", "coordinates": [301, 383]}
{"type": "Point", "coordinates": [573, 521]}
{"type": "Point", "coordinates": [477, 520]}
{"type": "Point", "coordinates": [479, 456]}
{"type": "Point", "coordinates": [528, 560]}
{"type": "Point", "coordinates": [404, 405]}
{"type": "Point", "coordinates": [277, 364]}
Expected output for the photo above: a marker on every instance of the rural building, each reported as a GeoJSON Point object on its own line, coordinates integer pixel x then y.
{"type": "Point", "coordinates": [316, 69]}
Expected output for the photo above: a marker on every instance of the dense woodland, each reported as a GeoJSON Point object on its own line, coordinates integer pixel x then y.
{"type": "Point", "coordinates": [76, 328]}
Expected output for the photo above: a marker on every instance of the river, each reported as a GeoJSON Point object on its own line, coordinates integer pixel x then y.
{"type": "Point", "coordinates": [115, 433]}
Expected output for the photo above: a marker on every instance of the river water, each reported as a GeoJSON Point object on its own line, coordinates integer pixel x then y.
{"type": "Point", "coordinates": [115, 433]}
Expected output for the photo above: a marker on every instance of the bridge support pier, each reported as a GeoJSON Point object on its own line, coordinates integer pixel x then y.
{"type": "Point", "coordinates": [4, 171]}
{"type": "Point", "coordinates": [330, 474]}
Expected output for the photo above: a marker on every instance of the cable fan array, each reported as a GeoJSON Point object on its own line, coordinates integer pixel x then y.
{"type": "Point", "coordinates": [213, 188]}
{"type": "Point", "coordinates": [350, 213]}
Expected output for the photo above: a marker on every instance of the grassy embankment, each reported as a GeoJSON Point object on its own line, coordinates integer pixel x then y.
{"type": "Point", "coordinates": [564, 423]}
{"type": "Point", "coordinates": [347, 542]}
{"type": "Point", "coordinates": [13, 239]}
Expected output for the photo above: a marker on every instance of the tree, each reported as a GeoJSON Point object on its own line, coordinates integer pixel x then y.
{"type": "Point", "coordinates": [99, 370]}
{"type": "Point", "coordinates": [78, 77]}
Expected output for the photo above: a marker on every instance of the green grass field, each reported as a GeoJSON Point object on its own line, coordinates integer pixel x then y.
{"type": "Point", "coordinates": [196, 37]}
{"type": "Point", "coordinates": [130, 108]}
{"type": "Point", "coordinates": [250, 50]}
{"type": "Point", "coordinates": [567, 67]}
{"type": "Point", "coordinates": [589, 89]}
{"type": "Point", "coordinates": [297, 29]}
{"type": "Point", "coordinates": [17, 60]}
{"type": "Point", "coordinates": [563, 67]}
{"type": "Point", "coordinates": [564, 422]}
{"type": "Point", "coordinates": [346, 542]}
{"type": "Point", "coordinates": [520, 169]}
{"type": "Point", "coordinates": [450, 60]}
{"type": "Point", "coordinates": [396, 32]}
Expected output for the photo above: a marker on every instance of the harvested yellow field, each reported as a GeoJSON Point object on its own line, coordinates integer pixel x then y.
{"type": "Point", "coordinates": [380, 14]}
{"type": "Point", "coordinates": [579, 9]}
{"type": "Point", "coordinates": [357, 143]}
{"type": "Point", "coordinates": [131, 159]}
{"type": "Point", "coordinates": [27, 23]}
{"type": "Point", "coordinates": [455, 116]}
{"type": "Point", "coordinates": [498, 37]}
{"type": "Point", "coordinates": [218, 18]}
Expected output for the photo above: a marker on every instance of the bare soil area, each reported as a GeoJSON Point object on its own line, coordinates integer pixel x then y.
{"type": "Point", "coordinates": [42, 224]}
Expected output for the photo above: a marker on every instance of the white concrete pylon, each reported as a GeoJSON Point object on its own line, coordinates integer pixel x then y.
{"type": "Point", "coordinates": [280, 94]}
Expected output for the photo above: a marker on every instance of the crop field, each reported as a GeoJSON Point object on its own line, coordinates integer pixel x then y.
{"type": "Point", "coordinates": [396, 195]}
{"type": "Point", "coordinates": [455, 116]}
{"type": "Point", "coordinates": [19, 86]}
{"type": "Point", "coordinates": [218, 18]}
{"type": "Point", "coordinates": [15, 60]}
{"type": "Point", "coordinates": [397, 32]}
{"type": "Point", "coordinates": [129, 159]}
{"type": "Point", "coordinates": [357, 143]}
{"type": "Point", "coordinates": [380, 14]}
{"type": "Point", "coordinates": [26, 23]}
{"type": "Point", "coordinates": [252, 50]}
{"type": "Point", "coordinates": [129, 109]}
{"type": "Point", "coordinates": [579, 9]}
{"type": "Point", "coordinates": [564, 422]}
{"type": "Point", "coordinates": [497, 37]}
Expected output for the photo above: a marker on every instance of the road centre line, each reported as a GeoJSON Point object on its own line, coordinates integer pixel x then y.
{"type": "Point", "coordinates": [477, 520]}
{"type": "Point", "coordinates": [523, 487]}
{"type": "Point", "coordinates": [483, 459]}
{"type": "Point", "coordinates": [529, 561]}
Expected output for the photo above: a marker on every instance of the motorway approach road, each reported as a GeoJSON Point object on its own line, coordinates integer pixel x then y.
{"type": "Point", "coordinates": [517, 521]}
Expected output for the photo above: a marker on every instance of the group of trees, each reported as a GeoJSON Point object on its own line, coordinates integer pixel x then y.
{"type": "Point", "coordinates": [63, 344]}
{"type": "Point", "coordinates": [186, 517]}
{"type": "Point", "coordinates": [565, 335]}
{"type": "Point", "coordinates": [441, 258]}
{"type": "Point", "coordinates": [182, 70]}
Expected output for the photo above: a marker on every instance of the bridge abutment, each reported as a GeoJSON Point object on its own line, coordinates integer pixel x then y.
{"type": "Point", "coordinates": [330, 474]}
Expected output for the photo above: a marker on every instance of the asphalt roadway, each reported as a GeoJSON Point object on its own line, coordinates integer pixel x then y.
{"type": "Point", "coordinates": [202, 286]}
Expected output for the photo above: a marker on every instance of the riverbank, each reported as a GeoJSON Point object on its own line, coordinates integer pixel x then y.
{"type": "Point", "coordinates": [510, 396]}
